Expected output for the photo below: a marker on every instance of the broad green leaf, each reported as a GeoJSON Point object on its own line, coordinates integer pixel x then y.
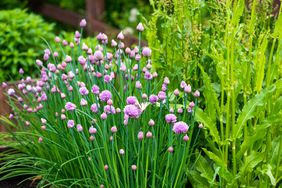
{"type": "Point", "coordinates": [248, 111]}
{"type": "Point", "coordinates": [251, 162]}
{"type": "Point", "coordinates": [260, 132]}
{"type": "Point", "coordinates": [270, 175]}
{"type": "Point", "coordinates": [210, 96]}
{"type": "Point", "coordinates": [223, 169]}
{"type": "Point", "coordinates": [205, 169]}
{"type": "Point", "coordinates": [202, 117]}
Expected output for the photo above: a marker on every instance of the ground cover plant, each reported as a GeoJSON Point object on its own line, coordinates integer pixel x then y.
{"type": "Point", "coordinates": [100, 117]}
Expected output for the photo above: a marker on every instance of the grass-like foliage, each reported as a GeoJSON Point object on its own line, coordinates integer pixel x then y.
{"type": "Point", "coordinates": [100, 117]}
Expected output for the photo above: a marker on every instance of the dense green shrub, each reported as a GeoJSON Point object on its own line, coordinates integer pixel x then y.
{"type": "Point", "coordinates": [21, 41]}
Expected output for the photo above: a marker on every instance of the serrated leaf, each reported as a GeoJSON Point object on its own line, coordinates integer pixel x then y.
{"type": "Point", "coordinates": [251, 162]}
{"type": "Point", "coordinates": [202, 117]}
{"type": "Point", "coordinates": [210, 96]}
{"type": "Point", "coordinates": [248, 111]}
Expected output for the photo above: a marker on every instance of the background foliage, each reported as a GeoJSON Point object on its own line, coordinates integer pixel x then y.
{"type": "Point", "coordinates": [21, 42]}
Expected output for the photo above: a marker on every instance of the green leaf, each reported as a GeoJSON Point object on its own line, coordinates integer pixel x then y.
{"type": "Point", "coordinates": [204, 118]}
{"type": "Point", "coordinates": [248, 111]}
{"type": "Point", "coordinates": [251, 162]}
{"type": "Point", "coordinates": [210, 96]}
{"type": "Point", "coordinates": [223, 171]}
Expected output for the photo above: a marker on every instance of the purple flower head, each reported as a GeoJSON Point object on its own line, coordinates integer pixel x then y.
{"type": "Point", "coordinates": [68, 59]}
{"type": "Point", "coordinates": [46, 57]}
{"type": "Point", "coordinates": [164, 87]}
{"type": "Point", "coordinates": [92, 130]}
{"type": "Point", "coordinates": [109, 109]}
{"type": "Point", "coordinates": [140, 27]}
{"type": "Point", "coordinates": [113, 43]}
{"type": "Point", "coordinates": [107, 78]}
{"type": "Point", "coordinates": [94, 108]}
{"type": "Point", "coordinates": [114, 129]}
{"type": "Point", "coordinates": [176, 92]}
{"type": "Point", "coordinates": [146, 52]}
{"type": "Point", "coordinates": [162, 95]}
{"type": "Point", "coordinates": [4, 84]}
{"type": "Point", "coordinates": [151, 122]}
{"type": "Point", "coordinates": [95, 89]}
{"type": "Point", "coordinates": [153, 99]}
{"type": "Point", "coordinates": [138, 84]}
{"type": "Point", "coordinates": [170, 118]}
{"type": "Point", "coordinates": [105, 95]}
{"type": "Point", "coordinates": [166, 81]}
{"type": "Point", "coordinates": [140, 135]}
{"type": "Point", "coordinates": [131, 100]}
{"type": "Point", "coordinates": [185, 138]}
{"type": "Point", "coordinates": [132, 111]}
{"type": "Point", "coordinates": [77, 34]}
{"type": "Point", "coordinates": [187, 88]}
{"type": "Point", "coordinates": [71, 75]}
{"type": "Point", "coordinates": [81, 60]}
{"type": "Point", "coordinates": [11, 92]}
{"type": "Point", "coordinates": [70, 123]}
{"type": "Point", "coordinates": [104, 116]}
{"type": "Point", "coordinates": [148, 75]}
{"type": "Point", "coordinates": [180, 127]}
{"type": "Point", "coordinates": [83, 91]}
{"type": "Point", "coordinates": [52, 67]}
{"type": "Point", "coordinates": [57, 39]}
{"type": "Point", "coordinates": [149, 134]}
{"type": "Point", "coordinates": [70, 106]}
{"type": "Point", "coordinates": [183, 84]}
{"type": "Point", "coordinates": [21, 71]}
{"type": "Point", "coordinates": [82, 23]}
{"type": "Point", "coordinates": [38, 62]}
{"type": "Point", "coordinates": [83, 102]}
{"type": "Point", "coordinates": [65, 43]}
{"type": "Point", "coordinates": [43, 97]}
{"type": "Point", "coordinates": [79, 128]}
{"type": "Point", "coordinates": [133, 167]}
{"type": "Point", "coordinates": [98, 55]}
{"type": "Point", "coordinates": [137, 57]}
{"type": "Point", "coordinates": [191, 104]}
{"type": "Point", "coordinates": [180, 110]}
{"type": "Point", "coordinates": [120, 36]}
{"type": "Point", "coordinates": [196, 93]}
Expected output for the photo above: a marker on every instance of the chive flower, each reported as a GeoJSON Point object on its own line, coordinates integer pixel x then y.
{"type": "Point", "coordinates": [70, 106]}
{"type": "Point", "coordinates": [105, 95]}
{"type": "Point", "coordinates": [170, 118]}
{"type": "Point", "coordinates": [180, 127]}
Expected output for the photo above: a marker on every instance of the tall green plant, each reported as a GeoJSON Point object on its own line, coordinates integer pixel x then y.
{"type": "Point", "coordinates": [178, 33]}
{"type": "Point", "coordinates": [243, 106]}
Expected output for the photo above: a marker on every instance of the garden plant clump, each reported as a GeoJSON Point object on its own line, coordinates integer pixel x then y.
{"type": "Point", "coordinates": [101, 117]}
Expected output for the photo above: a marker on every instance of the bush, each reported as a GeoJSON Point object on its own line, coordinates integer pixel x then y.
{"type": "Point", "coordinates": [21, 40]}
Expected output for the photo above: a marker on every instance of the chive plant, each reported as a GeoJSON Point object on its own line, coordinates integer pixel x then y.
{"type": "Point", "coordinates": [100, 118]}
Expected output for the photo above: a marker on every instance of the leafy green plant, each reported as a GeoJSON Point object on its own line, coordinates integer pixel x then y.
{"type": "Point", "coordinates": [177, 34]}
{"type": "Point", "coordinates": [21, 40]}
{"type": "Point", "coordinates": [95, 119]}
{"type": "Point", "coordinates": [243, 103]}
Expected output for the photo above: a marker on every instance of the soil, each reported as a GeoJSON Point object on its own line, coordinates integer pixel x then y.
{"type": "Point", "coordinates": [14, 183]}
